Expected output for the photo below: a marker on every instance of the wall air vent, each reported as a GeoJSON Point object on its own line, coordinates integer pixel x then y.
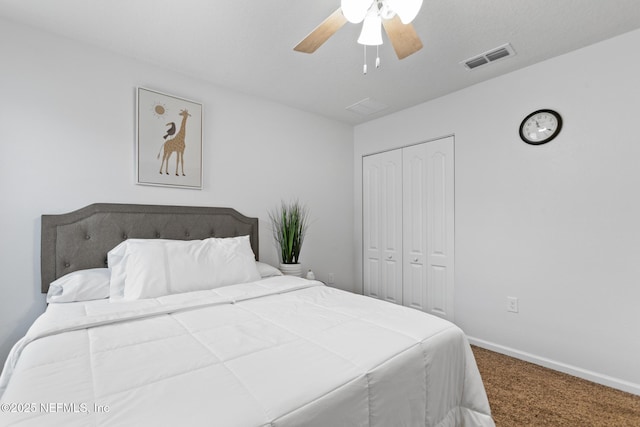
{"type": "Point", "coordinates": [500, 52]}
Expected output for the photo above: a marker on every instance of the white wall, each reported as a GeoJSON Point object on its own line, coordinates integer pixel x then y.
{"type": "Point", "coordinates": [557, 225]}
{"type": "Point", "coordinates": [67, 121]}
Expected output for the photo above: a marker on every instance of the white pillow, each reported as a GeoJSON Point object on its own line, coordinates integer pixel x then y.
{"type": "Point", "coordinates": [267, 270]}
{"type": "Point", "coordinates": [117, 262]}
{"type": "Point", "coordinates": [152, 268]}
{"type": "Point", "coordinates": [81, 285]}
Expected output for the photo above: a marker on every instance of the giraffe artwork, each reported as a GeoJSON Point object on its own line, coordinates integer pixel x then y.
{"type": "Point", "coordinates": [175, 144]}
{"type": "Point", "coordinates": [168, 127]}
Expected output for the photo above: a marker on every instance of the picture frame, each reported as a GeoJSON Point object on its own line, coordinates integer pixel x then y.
{"type": "Point", "coordinates": [168, 140]}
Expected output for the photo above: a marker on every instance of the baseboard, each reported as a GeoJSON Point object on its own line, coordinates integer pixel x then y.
{"type": "Point", "coordinates": [595, 377]}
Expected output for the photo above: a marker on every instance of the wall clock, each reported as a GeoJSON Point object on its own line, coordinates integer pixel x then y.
{"type": "Point", "coordinates": [540, 127]}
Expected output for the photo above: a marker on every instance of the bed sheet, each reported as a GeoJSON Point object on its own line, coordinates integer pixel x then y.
{"type": "Point", "coordinates": [282, 351]}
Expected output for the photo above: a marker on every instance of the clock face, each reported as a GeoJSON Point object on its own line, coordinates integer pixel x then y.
{"type": "Point", "coordinates": [540, 127]}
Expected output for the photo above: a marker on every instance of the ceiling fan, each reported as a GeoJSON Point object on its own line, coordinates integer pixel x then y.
{"type": "Point", "coordinates": [394, 15]}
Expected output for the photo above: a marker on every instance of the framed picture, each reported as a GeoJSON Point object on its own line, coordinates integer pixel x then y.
{"type": "Point", "coordinates": [168, 140]}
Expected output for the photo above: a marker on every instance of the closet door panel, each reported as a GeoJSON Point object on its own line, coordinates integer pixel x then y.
{"type": "Point", "coordinates": [371, 181]}
{"type": "Point", "coordinates": [392, 226]}
{"type": "Point", "coordinates": [440, 228]}
{"type": "Point", "coordinates": [415, 164]}
{"type": "Point", "coordinates": [382, 225]}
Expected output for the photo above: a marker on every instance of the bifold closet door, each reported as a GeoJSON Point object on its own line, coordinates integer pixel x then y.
{"type": "Point", "coordinates": [415, 162]}
{"type": "Point", "coordinates": [428, 227]}
{"type": "Point", "coordinates": [382, 225]}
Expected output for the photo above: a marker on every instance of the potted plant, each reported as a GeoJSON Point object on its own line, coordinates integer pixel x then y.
{"type": "Point", "coordinates": [289, 223]}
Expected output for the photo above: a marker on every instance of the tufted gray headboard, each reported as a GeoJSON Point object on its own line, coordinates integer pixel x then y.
{"type": "Point", "coordinates": [81, 239]}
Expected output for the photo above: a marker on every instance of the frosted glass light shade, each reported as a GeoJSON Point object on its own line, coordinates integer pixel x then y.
{"type": "Point", "coordinates": [355, 10]}
{"type": "Point", "coordinates": [371, 34]}
{"type": "Point", "coordinates": [407, 10]}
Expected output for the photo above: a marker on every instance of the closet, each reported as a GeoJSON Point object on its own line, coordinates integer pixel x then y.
{"type": "Point", "coordinates": [408, 226]}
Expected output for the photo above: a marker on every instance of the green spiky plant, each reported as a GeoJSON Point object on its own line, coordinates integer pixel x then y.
{"type": "Point", "coordinates": [289, 224]}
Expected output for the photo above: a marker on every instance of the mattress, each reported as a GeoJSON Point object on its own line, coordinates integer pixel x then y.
{"type": "Point", "coordinates": [282, 351]}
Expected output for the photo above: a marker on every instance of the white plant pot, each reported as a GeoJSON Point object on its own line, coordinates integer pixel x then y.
{"type": "Point", "coordinates": [291, 269]}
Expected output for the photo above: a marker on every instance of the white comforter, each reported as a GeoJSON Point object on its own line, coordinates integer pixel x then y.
{"type": "Point", "coordinates": [283, 351]}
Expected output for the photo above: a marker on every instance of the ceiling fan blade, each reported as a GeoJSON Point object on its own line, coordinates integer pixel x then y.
{"type": "Point", "coordinates": [403, 37]}
{"type": "Point", "coordinates": [322, 32]}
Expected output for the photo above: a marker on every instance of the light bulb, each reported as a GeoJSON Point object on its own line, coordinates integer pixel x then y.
{"type": "Point", "coordinates": [407, 10]}
{"type": "Point", "coordinates": [355, 10]}
{"type": "Point", "coordinates": [371, 34]}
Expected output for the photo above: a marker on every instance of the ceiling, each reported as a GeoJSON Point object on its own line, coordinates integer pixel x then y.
{"type": "Point", "coordinates": [247, 45]}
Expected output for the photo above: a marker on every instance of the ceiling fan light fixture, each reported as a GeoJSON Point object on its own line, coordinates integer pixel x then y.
{"type": "Point", "coordinates": [406, 10]}
{"type": "Point", "coordinates": [371, 34]}
{"type": "Point", "coordinates": [355, 10]}
{"type": "Point", "coordinates": [374, 14]}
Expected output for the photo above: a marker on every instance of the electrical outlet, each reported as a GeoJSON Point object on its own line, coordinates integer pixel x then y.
{"type": "Point", "coordinates": [512, 304]}
{"type": "Point", "coordinates": [331, 279]}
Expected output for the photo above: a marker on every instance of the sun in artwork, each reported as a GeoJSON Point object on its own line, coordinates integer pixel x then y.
{"type": "Point", "coordinates": [159, 110]}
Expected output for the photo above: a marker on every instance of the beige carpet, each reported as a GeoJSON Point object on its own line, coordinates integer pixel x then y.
{"type": "Point", "coordinates": [524, 394]}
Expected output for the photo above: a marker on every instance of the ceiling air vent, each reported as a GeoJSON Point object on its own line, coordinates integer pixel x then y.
{"type": "Point", "coordinates": [492, 55]}
{"type": "Point", "coordinates": [367, 107]}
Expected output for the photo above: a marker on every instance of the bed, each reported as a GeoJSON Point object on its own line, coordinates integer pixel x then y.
{"type": "Point", "coordinates": [148, 341]}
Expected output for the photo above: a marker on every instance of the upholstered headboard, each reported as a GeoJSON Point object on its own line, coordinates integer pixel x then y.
{"type": "Point", "coordinates": [81, 239]}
